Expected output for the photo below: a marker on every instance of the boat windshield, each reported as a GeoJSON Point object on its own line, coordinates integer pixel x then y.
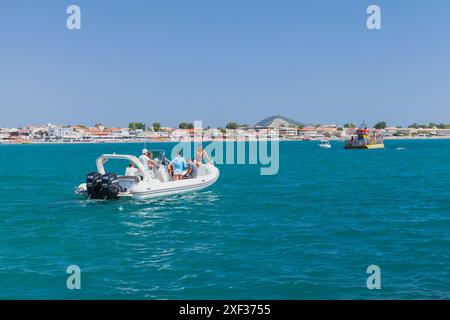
{"type": "Point", "coordinates": [158, 155]}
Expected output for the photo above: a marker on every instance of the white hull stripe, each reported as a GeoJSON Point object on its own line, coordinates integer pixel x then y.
{"type": "Point", "coordinates": [186, 188]}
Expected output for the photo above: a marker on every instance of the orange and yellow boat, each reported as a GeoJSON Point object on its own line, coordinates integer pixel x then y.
{"type": "Point", "coordinates": [365, 139]}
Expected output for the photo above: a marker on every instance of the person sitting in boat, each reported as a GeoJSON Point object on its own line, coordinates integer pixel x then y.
{"type": "Point", "coordinates": [191, 171]}
{"type": "Point", "coordinates": [170, 170]}
{"type": "Point", "coordinates": [200, 153]}
{"type": "Point", "coordinates": [146, 159]}
{"type": "Point", "coordinates": [179, 165]}
{"type": "Point", "coordinates": [152, 162]}
{"type": "Point", "coordinates": [131, 170]}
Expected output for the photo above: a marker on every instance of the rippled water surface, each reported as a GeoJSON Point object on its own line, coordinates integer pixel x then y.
{"type": "Point", "coordinates": [308, 232]}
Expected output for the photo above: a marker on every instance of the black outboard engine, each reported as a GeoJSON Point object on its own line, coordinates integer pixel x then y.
{"type": "Point", "coordinates": [94, 185]}
{"type": "Point", "coordinates": [110, 187]}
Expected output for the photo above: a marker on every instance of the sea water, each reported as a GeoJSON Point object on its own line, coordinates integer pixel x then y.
{"type": "Point", "coordinates": [309, 232]}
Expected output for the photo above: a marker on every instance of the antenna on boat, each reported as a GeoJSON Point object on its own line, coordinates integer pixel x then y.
{"type": "Point", "coordinates": [363, 124]}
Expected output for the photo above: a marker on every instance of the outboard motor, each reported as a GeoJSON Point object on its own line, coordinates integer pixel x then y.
{"type": "Point", "coordinates": [94, 185]}
{"type": "Point", "coordinates": [110, 187]}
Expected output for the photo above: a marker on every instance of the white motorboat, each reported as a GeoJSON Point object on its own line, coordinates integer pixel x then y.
{"type": "Point", "coordinates": [146, 183]}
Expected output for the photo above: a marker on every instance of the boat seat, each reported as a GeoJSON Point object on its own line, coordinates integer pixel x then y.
{"type": "Point", "coordinates": [158, 175]}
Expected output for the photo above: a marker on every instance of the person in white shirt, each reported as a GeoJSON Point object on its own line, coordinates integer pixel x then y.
{"type": "Point", "coordinates": [131, 171]}
{"type": "Point", "coordinates": [146, 160]}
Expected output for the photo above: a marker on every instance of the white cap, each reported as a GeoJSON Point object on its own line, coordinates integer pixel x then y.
{"type": "Point", "coordinates": [144, 151]}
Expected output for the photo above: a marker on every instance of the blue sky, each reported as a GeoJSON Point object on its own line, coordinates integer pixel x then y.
{"type": "Point", "coordinates": [218, 61]}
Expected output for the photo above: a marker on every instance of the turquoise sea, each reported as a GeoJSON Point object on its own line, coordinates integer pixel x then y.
{"type": "Point", "coordinates": [309, 232]}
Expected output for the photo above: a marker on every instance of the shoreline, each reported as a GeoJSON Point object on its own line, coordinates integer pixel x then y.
{"type": "Point", "coordinates": [209, 140]}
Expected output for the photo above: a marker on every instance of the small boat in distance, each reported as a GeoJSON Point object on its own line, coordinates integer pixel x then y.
{"type": "Point", "coordinates": [146, 183]}
{"type": "Point", "coordinates": [365, 139]}
{"type": "Point", "coordinates": [324, 144]}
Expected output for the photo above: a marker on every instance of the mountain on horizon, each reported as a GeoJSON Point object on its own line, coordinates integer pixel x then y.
{"type": "Point", "coordinates": [277, 122]}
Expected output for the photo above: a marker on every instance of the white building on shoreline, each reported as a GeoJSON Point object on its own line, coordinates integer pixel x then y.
{"type": "Point", "coordinates": [61, 132]}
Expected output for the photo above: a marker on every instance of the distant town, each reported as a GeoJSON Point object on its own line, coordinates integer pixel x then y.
{"type": "Point", "coordinates": [278, 127]}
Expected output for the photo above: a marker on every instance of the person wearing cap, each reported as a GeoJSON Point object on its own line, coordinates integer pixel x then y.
{"type": "Point", "coordinates": [146, 160]}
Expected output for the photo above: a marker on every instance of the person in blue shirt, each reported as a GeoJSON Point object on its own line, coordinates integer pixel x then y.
{"type": "Point", "coordinates": [179, 166]}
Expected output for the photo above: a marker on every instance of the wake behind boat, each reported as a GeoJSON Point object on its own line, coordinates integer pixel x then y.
{"type": "Point", "coordinates": [146, 183]}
